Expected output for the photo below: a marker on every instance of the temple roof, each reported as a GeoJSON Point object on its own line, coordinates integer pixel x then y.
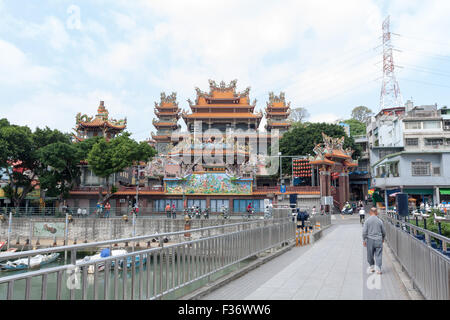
{"type": "Point", "coordinates": [101, 120]}
{"type": "Point", "coordinates": [227, 115]}
{"type": "Point", "coordinates": [331, 151]}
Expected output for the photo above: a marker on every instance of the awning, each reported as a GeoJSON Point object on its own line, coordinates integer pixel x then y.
{"type": "Point", "coordinates": [444, 191]}
{"type": "Point", "coordinates": [419, 191]}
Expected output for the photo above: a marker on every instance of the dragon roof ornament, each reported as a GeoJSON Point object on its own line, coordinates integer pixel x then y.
{"type": "Point", "coordinates": [171, 98]}
{"type": "Point", "coordinates": [222, 86]}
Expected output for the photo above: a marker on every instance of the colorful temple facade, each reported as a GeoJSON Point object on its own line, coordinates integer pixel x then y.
{"type": "Point", "coordinates": [217, 161]}
{"type": "Point", "coordinates": [334, 164]}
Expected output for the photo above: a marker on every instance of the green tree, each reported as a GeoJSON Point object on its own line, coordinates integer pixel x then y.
{"type": "Point", "coordinates": [361, 113]}
{"type": "Point", "coordinates": [19, 156]}
{"type": "Point", "coordinates": [357, 127]}
{"type": "Point", "coordinates": [63, 171]}
{"type": "Point", "coordinates": [113, 156]}
{"type": "Point", "coordinates": [302, 139]}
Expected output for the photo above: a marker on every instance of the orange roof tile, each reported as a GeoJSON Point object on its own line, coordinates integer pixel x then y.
{"type": "Point", "coordinates": [164, 124]}
{"type": "Point", "coordinates": [228, 115]}
{"type": "Point", "coordinates": [281, 124]}
{"type": "Point", "coordinates": [97, 122]}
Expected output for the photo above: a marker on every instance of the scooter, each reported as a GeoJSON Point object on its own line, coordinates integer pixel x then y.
{"type": "Point", "coordinates": [347, 210]}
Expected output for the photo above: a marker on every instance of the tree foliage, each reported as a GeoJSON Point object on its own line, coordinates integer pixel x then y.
{"type": "Point", "coordinates": [299, 114]}
{"type": "Point", "coordinates": [21, 158]}
{"type": "Point", "coordinates": [357, 127]}
{"type": "Point", "coordinates": [302, 139]}
{"type": "Point", "coordinates": [361, 113]}
{"type": "Point", "coordinates": [113, 156]}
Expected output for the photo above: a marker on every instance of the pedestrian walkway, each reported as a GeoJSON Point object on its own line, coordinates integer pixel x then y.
{"type": "Point", "coordinates": [335, 267]}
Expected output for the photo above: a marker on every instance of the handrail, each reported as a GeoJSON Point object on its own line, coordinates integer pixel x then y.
{"type": "Point", "coordinates": [122, 240]}
{"type": "Point", "coordinates": [169, 267]}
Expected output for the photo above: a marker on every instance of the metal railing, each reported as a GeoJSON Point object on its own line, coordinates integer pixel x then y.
{"type": "Point", "coordinates": [168, 268]}
{"type": "Point", "coordinates": [94, 212]}
{"type": "Point", "coordinates": [429, 268]}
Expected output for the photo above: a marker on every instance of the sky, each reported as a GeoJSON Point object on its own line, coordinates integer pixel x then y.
{"type": "Point", "coordinates": [58, 58]}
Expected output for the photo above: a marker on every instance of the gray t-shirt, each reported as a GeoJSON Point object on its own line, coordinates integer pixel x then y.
{"type": "Point", "coordinates": [373, 229]}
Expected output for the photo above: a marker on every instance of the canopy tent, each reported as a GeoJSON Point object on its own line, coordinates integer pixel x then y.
{"type": "Point", "coordinates": [419, 191]}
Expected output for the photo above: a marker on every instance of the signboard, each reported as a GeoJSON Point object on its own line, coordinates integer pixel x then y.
{"type": "Point", "coordinates": [283, 189]}
{"type": "Point", "coordinates": [48, 229]}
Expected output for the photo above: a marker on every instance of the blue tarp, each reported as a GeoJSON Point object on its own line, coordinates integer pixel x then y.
{"type": "Point", "coordinates": [105, 253]}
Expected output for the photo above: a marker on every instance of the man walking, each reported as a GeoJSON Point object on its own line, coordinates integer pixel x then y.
{"type": "Point", "coordinates": [373, 238]}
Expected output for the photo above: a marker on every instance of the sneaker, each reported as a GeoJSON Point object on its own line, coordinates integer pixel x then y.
{"type": "Point", "coordinates": [372, 269]}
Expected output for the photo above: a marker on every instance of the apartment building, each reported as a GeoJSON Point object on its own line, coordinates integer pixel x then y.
{"type": "Point", "coordinates": [410, 151]}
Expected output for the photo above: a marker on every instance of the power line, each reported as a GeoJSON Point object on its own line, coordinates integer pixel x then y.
{"type": "Point", "coordinates": [427, 40]}
{"type": "Point", "coordinates": [426, 83]}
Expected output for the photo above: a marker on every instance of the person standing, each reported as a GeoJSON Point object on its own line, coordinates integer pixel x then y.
{"type": "Point", "coordinates": [168, 210]}
{"type": "Point", "coordinates": [107, 208]}
{"type": "Point", "coordinates": [373, 237]}
{"type": "Point", "coordinates": [174, 211]}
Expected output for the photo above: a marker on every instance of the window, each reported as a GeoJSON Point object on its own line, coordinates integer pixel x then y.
{"type": "Point", "coordinates": [447, 125]}
{"type": "Point", "coordinates": [421, 168]}
{"type": "Point", "coordinates": [436, 171]}
{"type": "Point", "coordinates": [160, 205]}
{"type": "Point", "coordinates": [197, 202]}
{"type": "Point", "coordinates": [434, 141]}
{"type": "Point", "coordinates": [412, 141]}
{"type": "Point", "coordinates": [431, 124]}
{"type": "Point", "coordinates": [216, 204]}
{"type": "Point", "coordinates": [241, 205]}
{"type": "Point", "coordinates": [412, 125]}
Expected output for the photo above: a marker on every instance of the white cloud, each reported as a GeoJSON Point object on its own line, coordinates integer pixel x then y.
{"type": "Point", "coordinates": [17, 69]}
{"type": "Point", "coordinates": [58, 110]}
{"type": "Point", "coordinates": [324, 117]}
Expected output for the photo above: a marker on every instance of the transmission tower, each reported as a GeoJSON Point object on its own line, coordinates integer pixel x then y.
{"type": "Point", "coordinates": [390, 91]}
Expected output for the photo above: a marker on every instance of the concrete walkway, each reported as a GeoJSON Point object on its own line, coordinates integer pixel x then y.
{"type": "Point", "coordinates": [335, 267]}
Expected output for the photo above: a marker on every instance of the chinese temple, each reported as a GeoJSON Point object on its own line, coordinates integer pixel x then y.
{"type": "Point", "coordinates": [217, 162]}
{"type": "Point", "coordinates": [168, 113]}
{"type": "Point", "coordinates": [100, 125]}
{"type": "Point", "coordinates": [334, 164]}
{"type": "Point", "coordinates": [277, 113]}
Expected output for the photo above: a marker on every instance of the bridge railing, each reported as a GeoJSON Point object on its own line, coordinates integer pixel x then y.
{"type": "Point", "coordinates": [428, 267]}
{"type": "Point", "coordinates": [168, 267]}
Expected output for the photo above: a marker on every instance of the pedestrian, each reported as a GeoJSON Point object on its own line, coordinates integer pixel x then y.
{"type": "Point", "coordinates": [174, 211]}
{"type": "Point", "coordinates": [168, 210]}
{"type": "Point", "coordinates": [302, 216]}
{"type": "Point", "coordinates": [362, 214]}
{"type": "Point", "coordinates": [107, 208]}
{"type": "Point", "coordinates": [373, 237]}
{"type": "Point", "coordinates": [79, 212]}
